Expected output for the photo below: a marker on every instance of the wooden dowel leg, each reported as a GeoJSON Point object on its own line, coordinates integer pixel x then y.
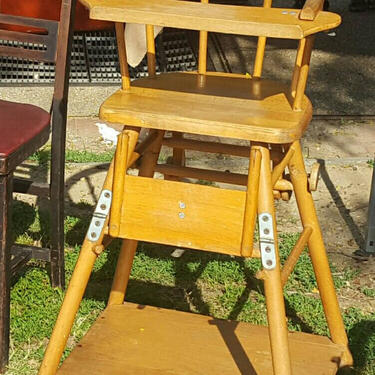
{"type": "Point", "coordinates": [178, 153]}
{"type": "Point", "coordinates": [251, 203]}
{"type": "Point", "coordinates": [129, 247]}
{"type": "Point", "coordinates": [272, 278]}
{"type": "Point", "coordinates": [295, 254]}
{"type": "Point", "coordinates": [318, 253]}
{"type": "Point", "coordinates": [123, 268]}
{"type": "Point", "coordinates": [73, 297]}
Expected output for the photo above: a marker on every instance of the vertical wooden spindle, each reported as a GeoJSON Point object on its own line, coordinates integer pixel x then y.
{"type": "Point", "coordinates": [259, 57]}
{"type": "Point", "coordinates": [303, 73]}
{"type": "Point", "coordinates": [297, 66]}
{"type": "Point", "coordinates": [120, 36]}
{"type": "Point", "coordinates": [202, 59]}
{"type": "Point", "coordinates": [151, 60]}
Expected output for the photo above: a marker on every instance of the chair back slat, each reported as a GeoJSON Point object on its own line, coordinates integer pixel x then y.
{"type": "Point", "coordinates": [302, 72]}
{"type": "Point", "coordinates": [44, 35]}
{"type": "Point", "coordinates": [261, 47]}
{"type": "Point", "coordinates": [151, 59]}
{"type": "Point", "coordinates": [203, 40]}
{"type": "Point", "coordinates": [121, 47]}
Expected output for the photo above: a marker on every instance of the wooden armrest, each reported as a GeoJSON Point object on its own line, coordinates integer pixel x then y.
{"type": "Point", "coordinates": [311, 9]}
{"type": "Point", "coordinates": [230, 19]}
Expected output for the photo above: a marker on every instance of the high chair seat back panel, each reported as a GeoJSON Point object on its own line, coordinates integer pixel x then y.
{"type": "Point", "coordinates": [223, 106]}
{"type": "Point", "coordinates": [243, 20]}
{"type": "Point", "coordinates": [196, 217]}
{"type": "Point", "coordinates": [161, 342]}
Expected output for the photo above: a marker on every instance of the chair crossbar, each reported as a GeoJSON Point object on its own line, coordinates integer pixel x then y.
{"type": "Point", "coordinates": [295, 254]}
{"type": "Point", "coordinates": [45, 35]}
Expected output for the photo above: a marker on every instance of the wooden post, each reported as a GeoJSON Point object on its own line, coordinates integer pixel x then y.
{"type": "Point", "coordinates": [251, 204]}
{"type": "Point", "coordinates": [73, 296]}
{"type": "Point", "coordinates": [303, 72]}
{"type": "Point", "coordinates": [272, 278]}
{"type": "Point", "coordinates": [128, 248]}
{"type": "Point", "coordinates": [295, 254]}
{"type": "Point", "coordinates": [318, 253]}
{"type": "Point", "coordinates": [120, 36]}
{"type": "Point", "coordinates": [5, 265]}
{"type": "Point", "coordinates": [259, 57]}
{"type": "Point", "coordinates": [151, 60]}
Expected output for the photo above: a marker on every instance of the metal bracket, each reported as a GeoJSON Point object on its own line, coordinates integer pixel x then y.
{"type": "Point", "coordinates": [100, 215]}
{"type": "Point", "coordinates": [266, 240]}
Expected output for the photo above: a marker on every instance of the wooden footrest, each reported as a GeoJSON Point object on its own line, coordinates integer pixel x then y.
{"type": "Point", "coordinates": [134, 339]}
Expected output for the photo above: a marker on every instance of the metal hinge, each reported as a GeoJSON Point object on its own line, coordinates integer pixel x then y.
{"type": "Point", "coordinates": [100, 215]}
{"type": "Point", "coordinates": [267, 241]}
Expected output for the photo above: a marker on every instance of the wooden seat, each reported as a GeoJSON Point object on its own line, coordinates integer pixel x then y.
{"type": "Point", "coordinates": [219, 346]}
{"type": "Point", "coordinates": [21, 124]}
{"type": "Point", "coordinates": [222, 106]}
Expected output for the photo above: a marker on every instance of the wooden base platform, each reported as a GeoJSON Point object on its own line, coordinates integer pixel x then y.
{"type": "Point", "coordinates": [134, 339]}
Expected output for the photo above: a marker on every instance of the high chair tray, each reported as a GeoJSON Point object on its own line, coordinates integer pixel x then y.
{"type": "Point", "coordinates": [232, 19]}
{"type": "Point", "coordinates": [134, 339]}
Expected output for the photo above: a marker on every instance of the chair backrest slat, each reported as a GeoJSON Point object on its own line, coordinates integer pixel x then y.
{"type": "Point", "coordinates": [123, 60]}
{"type": "Point", "coordinates": [44, 34]}
{"type": "Point", "coordinates": [151, 59]}
{"type": "Point", "coordinates": [261, 47]}
{"type": "Point", "coordinates": [303, 73]}
{"type": "Point", "coordinates": [203, 41]}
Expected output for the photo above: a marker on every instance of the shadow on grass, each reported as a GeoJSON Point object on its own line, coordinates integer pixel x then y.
{"type": "Point", "coordinates": [176, 283]}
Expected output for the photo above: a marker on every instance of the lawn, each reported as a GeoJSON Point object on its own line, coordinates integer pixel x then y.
{"type": "Point", "coordinates": [218, 285]}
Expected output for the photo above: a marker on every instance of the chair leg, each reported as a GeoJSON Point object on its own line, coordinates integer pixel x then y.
{"type": "Point", "coordinates": [82, 271]}
{"type": "Point", "coordinates": [57, 189]}
{"type": "Point", "coordinates": [276, 316]}
{"type": "Point", "coordinates": [129, 247]}
{"type": "Point", "coordinates": [178, 153]}
{"type": "Point", "coordinates": [178, 158]}
{"type": "Point", "coordinates": [5, 259]}
{"type": "Point", "coordinates": [318, 253]}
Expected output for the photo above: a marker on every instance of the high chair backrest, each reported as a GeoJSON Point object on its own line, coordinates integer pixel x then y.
{"type": "Point", "coordinates": [262, 22]}
{"type": "Point", "coordinates": [53, 41]}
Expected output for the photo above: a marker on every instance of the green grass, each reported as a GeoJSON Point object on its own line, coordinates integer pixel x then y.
{"type": "Point", "coordinates": [43, 156]}
{"type": "Point", "coordinates": [207, 283]}
{"type": "Point", "coordinates": [371, 163]}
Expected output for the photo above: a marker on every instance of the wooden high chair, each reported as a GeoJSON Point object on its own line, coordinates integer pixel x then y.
{"type": "Point", "coordinates": [272, 116]}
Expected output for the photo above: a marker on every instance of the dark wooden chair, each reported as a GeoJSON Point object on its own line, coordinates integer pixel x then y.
{"type": "Point", "coordinates": [24, 128]}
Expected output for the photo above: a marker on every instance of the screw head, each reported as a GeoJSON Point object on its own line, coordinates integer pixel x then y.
{"type": "Point", "coordinates": [181, 215]}
{"type": "Point", "coordinates": [182, 205]}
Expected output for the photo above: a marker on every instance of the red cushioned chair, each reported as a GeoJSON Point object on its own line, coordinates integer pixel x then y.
{"type": "Point", "coordinates": [23, 129]}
